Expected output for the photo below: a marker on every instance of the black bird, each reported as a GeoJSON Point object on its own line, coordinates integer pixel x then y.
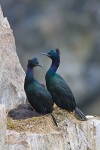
{"type": "Point", "coordinates": [57, 86]}
{"type": "Point", "coordinates": [37, 95]}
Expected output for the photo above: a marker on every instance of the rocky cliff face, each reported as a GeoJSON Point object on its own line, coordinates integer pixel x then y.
{"type": "Point", "coordinates": [41, 133]}
{"type": "Point", "coordinates": [11, 72]}
{"type": "Point", "coordinates": [3, 126]}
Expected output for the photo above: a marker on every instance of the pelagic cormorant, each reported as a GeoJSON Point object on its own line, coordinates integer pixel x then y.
{"type": "Point", "coordinates": [57, 86]}
{"type": "Point", "coordinates": [37, 95]}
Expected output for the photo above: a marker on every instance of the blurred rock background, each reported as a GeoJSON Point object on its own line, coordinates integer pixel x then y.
{"type": "Point", "coordinates": [73, 26]}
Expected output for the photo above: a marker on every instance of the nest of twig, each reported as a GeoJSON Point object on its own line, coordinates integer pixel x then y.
{"type": "Point", "coordinates": [41, 124]}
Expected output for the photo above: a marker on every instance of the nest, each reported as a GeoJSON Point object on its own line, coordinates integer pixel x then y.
{"type": "Point", "coordinates": [41, 124]}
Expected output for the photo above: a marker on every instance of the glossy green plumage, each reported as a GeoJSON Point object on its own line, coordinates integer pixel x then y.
{"type": "Point", "coordinates": [60, 92]}
{"type": "Point", "coordinates": [58, 88]}
{"type": "Point", "coordinates": [37, 95]}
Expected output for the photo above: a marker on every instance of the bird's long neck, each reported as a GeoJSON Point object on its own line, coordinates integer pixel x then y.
{"type": "Point", "coordinates": [29, 75]}
{"type": "Point", "coordinates": [53, 68]}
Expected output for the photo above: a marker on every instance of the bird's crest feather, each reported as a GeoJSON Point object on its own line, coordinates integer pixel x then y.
{"type": "Point", "coordinates": [58, 51]}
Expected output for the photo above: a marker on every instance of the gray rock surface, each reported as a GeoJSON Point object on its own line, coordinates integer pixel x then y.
{"type": "Point", "coordinates": [72, 135]}
{"type": "Point", "coordinates": [3, 126]}
{"type": "Point", "coordinates": [11, 72]}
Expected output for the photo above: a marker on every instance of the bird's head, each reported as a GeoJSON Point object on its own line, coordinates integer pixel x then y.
{"type": "Point", "coordinates": [34, 62]}
{"type": "Point", "coordinates": [53, 54]}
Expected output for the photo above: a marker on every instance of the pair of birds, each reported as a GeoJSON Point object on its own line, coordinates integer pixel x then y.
{"type": "Point", "coordinates": [58, 92]}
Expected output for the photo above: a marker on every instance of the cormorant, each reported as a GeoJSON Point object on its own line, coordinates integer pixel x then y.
{"type": "Point", "coordinates": [37, 95]}
{"type": "Point", "coordinates": [57, 86]}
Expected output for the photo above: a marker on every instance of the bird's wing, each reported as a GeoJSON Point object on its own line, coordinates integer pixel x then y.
{"type": "Point", "coordinates": [44, 97]}
{"type": "Point", "coordinates": [62, 92]}
{"type": "Point", "coordinates": [39, 91]}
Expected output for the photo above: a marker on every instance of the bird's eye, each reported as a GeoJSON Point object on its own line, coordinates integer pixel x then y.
{"type": "Point", "coordinates": [49, 54]}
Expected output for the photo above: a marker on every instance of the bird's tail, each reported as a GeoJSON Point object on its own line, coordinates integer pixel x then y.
{"type": "Point", "coordinates": [79, 114]}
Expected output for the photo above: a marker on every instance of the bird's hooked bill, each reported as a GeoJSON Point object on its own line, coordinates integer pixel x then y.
{"type": "Point", "coordinates": [40, 65]}
{"type": "Point", "coordinates": [45, 54]}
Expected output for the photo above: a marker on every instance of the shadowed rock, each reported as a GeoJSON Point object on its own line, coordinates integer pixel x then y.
{"type": "Point", "coordinates": [22, 111]}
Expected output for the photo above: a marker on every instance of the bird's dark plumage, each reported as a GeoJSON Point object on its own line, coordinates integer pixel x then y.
{"type": "Point", "coordinates": [58, 88]}
{"type": "Point", "coordinates": [37, 95]}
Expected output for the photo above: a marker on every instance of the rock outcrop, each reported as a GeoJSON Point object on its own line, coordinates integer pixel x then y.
{"type": "Point", "coordinates": [3, 126]}
{"type": "Point", "coordinates": [11, 72]}
{"type": "Point", "coordinates": [41, 133]}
